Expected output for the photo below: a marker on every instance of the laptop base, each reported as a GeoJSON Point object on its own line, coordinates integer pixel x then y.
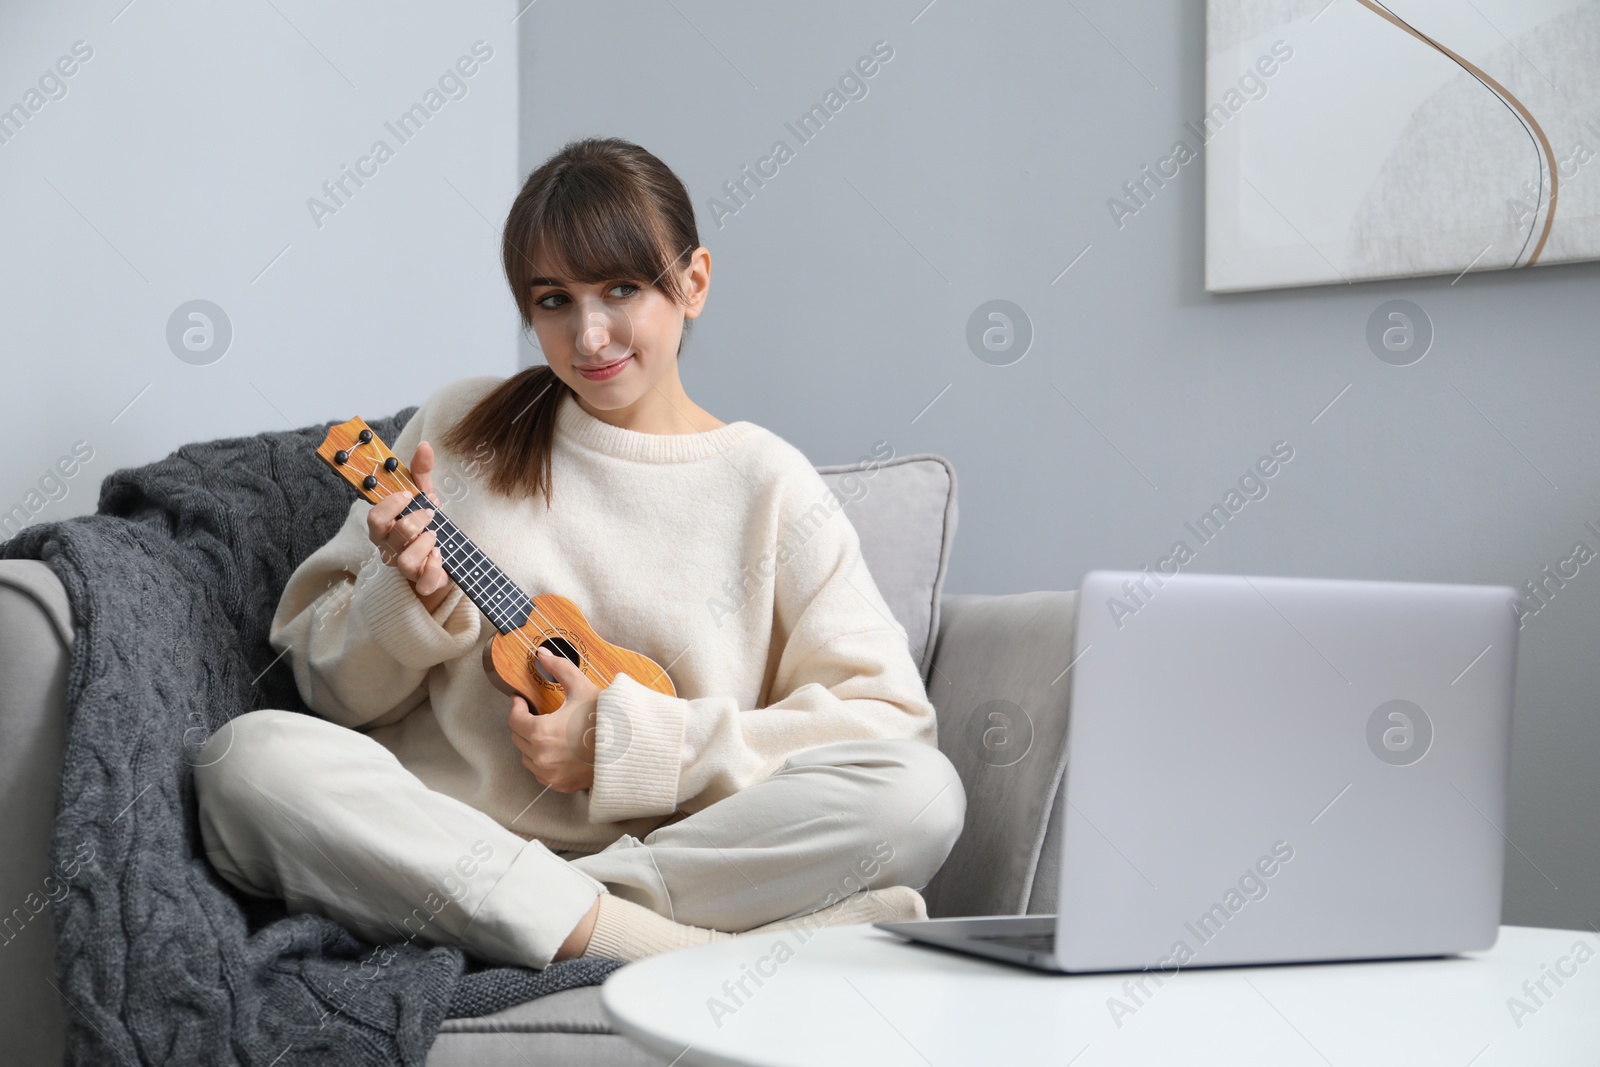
{"type": "Point", "coordinates": [1027, 940]}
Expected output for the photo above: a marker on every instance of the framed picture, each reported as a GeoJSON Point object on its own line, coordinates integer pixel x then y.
{"type": "Point", "coordinates": [1349, 140]}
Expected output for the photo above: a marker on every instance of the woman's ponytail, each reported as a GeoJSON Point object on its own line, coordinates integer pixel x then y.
{"type": "Point", "coordinates": [515, 423]}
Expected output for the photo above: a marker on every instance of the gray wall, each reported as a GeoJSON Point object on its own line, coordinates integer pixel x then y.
{"type": "Point", "coordinates": [977, 167]}
{"type": "Point", "coordinates": [176, 164]}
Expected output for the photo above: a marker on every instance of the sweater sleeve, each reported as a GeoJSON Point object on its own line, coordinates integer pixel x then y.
{"type": "Point", "coordinates": [844, 672]}
{"type": "Point", "coordinates": [354, 630]}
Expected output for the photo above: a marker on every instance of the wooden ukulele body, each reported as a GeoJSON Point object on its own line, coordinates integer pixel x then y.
{"type": "Point", "coordinates": [559, 624]}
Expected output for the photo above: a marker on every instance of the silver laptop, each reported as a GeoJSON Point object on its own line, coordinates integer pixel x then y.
{"type": "Point", "coordinates": [1272, 770]}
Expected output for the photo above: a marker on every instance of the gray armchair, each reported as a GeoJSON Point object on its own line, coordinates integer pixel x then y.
{"type": "Point", "coordinates": [995, 668]}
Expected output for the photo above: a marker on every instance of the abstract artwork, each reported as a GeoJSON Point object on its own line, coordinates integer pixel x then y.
{"type": "Point", "coordinates": [1349, 140]}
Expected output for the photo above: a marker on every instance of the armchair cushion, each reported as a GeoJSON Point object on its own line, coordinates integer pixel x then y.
{"type": "Point", "coordinates": [904, 510]}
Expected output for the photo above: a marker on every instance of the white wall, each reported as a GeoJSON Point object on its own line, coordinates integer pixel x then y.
{"type": "Point", "coordinates": [178, 165]}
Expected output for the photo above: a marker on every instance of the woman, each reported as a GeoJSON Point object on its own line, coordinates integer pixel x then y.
{"type": "Point", "coordinates": [794, 778]}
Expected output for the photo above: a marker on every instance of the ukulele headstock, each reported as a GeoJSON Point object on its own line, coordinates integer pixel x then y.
{"type": "Point", "coordinates": [363, 460]}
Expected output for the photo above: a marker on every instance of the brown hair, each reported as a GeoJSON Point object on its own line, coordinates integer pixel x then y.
{"type": "Point", "coordinates": [601, 209]}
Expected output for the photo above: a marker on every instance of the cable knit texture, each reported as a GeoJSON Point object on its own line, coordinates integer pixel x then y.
{"type": "Point", "coordinates": [172, 585]}
{"type": "Point", "coordinates": [716, 554]}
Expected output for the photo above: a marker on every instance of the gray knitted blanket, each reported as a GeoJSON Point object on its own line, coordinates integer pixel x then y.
{"type": "Point", "coordinates": [173, 585]}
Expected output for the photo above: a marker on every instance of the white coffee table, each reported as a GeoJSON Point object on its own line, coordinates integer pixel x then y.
{"type": "Point", "coordinates": [856, 995]}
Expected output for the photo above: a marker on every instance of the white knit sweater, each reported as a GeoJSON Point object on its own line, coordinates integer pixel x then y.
{"type": "Point", "coordinates": [721, 555]}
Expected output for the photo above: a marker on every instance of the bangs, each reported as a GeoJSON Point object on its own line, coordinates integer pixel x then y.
{"type": "Point", "coordinates": [589, 229]}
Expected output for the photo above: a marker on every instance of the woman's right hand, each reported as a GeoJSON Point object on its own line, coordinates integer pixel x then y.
{"type": "Point", "coordinates": [406, 543]}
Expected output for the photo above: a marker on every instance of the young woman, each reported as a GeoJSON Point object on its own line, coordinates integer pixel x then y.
{"type": "Point", "coordinates": [794, 778]}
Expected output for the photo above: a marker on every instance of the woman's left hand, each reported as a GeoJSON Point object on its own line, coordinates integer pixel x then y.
{"type": "Point", "coordinates": [558, 748]}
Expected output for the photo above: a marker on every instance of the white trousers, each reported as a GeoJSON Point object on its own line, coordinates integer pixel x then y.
{"type": "Point", "coordinates": [327, 819]}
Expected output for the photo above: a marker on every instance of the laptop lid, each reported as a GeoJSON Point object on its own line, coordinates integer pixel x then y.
{"type": "Point", "coordinates": [1283, 769]}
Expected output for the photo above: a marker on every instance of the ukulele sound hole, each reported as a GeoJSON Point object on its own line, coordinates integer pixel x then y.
{"type": "Point", "coordinates": [561, 647]}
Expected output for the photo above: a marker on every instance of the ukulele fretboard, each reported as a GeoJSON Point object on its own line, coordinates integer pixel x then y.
{"type": "Point", "coordinates": [484, 583]}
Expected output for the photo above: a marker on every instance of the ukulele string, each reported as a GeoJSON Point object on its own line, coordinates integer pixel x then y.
{"type": "Point", "coordinates": [401, 472]}
{"type": "Point", "coordinates": [553, 633]}
{"type": "Point", "coordinates": [516, 634]}
{"type": "Point", "coordinates": [416, 492]}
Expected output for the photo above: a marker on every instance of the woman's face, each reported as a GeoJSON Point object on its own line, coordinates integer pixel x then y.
{"type": "Point", "coordinates": [614, 341]}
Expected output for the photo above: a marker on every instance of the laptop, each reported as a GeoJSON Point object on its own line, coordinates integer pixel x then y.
{"type": "Point", "coordinates": [1272, 770]}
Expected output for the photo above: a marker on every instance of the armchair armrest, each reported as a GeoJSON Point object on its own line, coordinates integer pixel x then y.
{"type": "Point", "coordinates": [1000, 684]}
{"type": "Point", "coordinates": [35, 642]}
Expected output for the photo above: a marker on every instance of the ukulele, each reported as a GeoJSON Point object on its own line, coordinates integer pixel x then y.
{"type": "Point", "coordinates": [524, 623]}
